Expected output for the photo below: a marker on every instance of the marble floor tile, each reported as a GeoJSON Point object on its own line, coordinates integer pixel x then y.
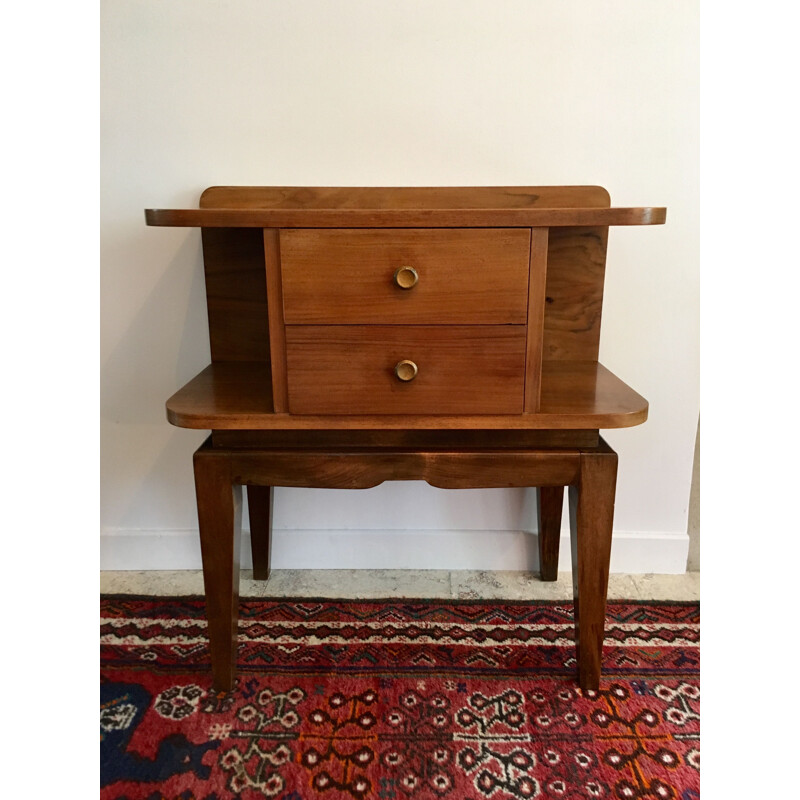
{"type": "Point", "coordinates": [668, 587]}
{"type": "Point", "coordinates": [622, 587]}
{"type": "Point", "coordinates": [172, 583]}
{"type": "Point", "coordinates": [357, 584]}
{"type": "Point", "coordinates": [528, 586]}
{"type": "Point", "coordinates": [471, 585]}
{"type": "Point", "coordinates": [364, 584]}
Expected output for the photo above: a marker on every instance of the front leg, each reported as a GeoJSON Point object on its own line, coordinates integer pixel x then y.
{"type": "Point", "coordinates": [591, 515]}
{"type": "Point", "coordinates": [219, 505]}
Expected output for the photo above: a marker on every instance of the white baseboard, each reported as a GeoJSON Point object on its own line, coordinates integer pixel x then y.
{"type": "Point", "coordinates": [631, 552]}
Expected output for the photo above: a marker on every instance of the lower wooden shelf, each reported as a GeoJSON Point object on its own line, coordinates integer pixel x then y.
{"type": "Point", "coordinates": [575, 395]}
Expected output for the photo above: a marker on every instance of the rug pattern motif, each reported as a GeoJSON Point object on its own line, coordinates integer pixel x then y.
{"type": "Point", "coordinates": [396, 700]}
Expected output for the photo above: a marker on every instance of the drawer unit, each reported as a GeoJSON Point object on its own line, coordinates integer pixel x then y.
{"type": "Point", "coordinates": [470, 276]}
{"type": "Point", "coordinates": [405, 369]}
{"type": "Point", "coordinates": [450, 306]}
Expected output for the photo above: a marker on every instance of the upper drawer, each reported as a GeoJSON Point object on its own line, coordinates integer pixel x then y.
{"type": "Point", "coordinates": [463, 275]}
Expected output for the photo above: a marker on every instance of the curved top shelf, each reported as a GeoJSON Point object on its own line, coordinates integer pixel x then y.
{"type": "Point", "coordinates": [402, 218]}
{"type": "Point", "coordinates": [405, 206]}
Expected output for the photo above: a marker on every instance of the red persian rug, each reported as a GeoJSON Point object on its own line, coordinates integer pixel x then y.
{"type": "Point", "coordinates": [396, 699]}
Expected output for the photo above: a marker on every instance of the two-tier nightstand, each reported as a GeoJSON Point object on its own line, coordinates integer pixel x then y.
{"type": "Point", "coordinates": [360, 335]}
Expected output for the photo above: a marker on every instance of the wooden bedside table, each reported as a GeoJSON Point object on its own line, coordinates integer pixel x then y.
{"type": "Point", "coordinates": [443, 334]}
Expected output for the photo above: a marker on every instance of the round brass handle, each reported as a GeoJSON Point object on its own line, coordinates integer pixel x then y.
{"type": "Point", "coordinates": [406, 370]}
{"type": "Point", "coordinates": [406, 277]}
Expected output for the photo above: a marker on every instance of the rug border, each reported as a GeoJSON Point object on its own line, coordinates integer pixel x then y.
{"type": "Point", "coordinates": [467, 601]}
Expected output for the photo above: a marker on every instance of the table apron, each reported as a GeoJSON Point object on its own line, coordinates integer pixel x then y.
{"type": "Point", "coordinates": [445, 470]}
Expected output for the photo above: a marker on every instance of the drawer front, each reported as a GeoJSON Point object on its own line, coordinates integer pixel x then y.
{"type": "Point", "coordinates": [350, 369]}
{"type": "Point", "coordinates": [460, 276]}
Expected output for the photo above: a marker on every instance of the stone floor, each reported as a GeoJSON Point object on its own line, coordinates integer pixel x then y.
{"type": "Point", "coordinates": [367, 584]}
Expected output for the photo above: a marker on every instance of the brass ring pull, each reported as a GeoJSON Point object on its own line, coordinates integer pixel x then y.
{"type": "Point", "coordinates": [406, 277]}
{"type": "Point", "coordinates": [406, 370]}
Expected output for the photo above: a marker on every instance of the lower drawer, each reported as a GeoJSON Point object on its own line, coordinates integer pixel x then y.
{"type": "Point", "coordinates": [405, 369]}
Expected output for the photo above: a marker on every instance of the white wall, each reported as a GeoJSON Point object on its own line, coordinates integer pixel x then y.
{"type": "Point", "coordinates": [456, 92]}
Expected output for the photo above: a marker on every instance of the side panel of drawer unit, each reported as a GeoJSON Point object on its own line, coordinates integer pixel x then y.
{"type": "Point", "coordinates": [460, 369]}
{"type": "Point", "coordinates": [465, 276]}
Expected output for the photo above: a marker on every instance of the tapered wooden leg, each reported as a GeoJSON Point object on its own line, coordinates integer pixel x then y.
{"type": "Point", "coordinates": [259, 502]}
{"type": "Point", "coordinates": [591, 513]}
{"type": "Point", "coordinates": [219, 504]}
{"type": "Point", "coordinates": [551, 504]}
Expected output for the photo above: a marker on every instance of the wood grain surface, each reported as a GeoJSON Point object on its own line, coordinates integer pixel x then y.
{"type": "Point", "coordinates": [575, 396]}
{"type": "Point", "coordinates": [277, 330]}
{"type": "Point", "coordinates": [236, 294]}
{"type": "Point", "coordinates": [351, 469]}
{"type": "Point", "coordinates": [401, 218]}
{"type": "Point", "coordinates": [550, 507]}
{"type": "Point", "coordinates": [404, 197]}
{"type": "Point", "coordinates": [467, 276]}
{"type": "Point", "coordinates": [576, 262]}
{"type": "Point", "coordinates": [350, 369]}
{"type": "Point", "coordinates": [535, 318]}
{"type": "Point", "coordinates": [259, 506]}
{"type": "Point", "coordinates": [447, 439]}
{"type": "Point", "coordinates": [219, 509]}
{"type": "Point", "coordinates": [591, 515]}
